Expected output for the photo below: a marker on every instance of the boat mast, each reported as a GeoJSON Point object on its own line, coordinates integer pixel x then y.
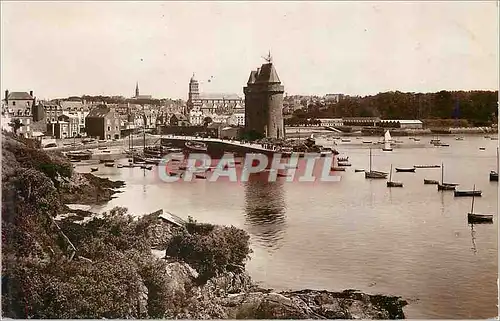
{"type": "Point", "coordinates": [472, 206]}
{"type": "Point", "coordinates": [442, 173]}
{"type": "Point", "coordinates": [370, 159]}
{"type": "Point", "coordinates": [497, 160]}
{"type": "Point", "coordinates": [390, 175]}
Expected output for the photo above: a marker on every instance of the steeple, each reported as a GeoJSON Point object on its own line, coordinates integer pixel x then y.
{"type": "Point", "coordinates": [136, 89]}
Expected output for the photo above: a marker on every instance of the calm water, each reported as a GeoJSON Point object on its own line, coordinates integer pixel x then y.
{"type": "Point", "coordinates": [413, 241]}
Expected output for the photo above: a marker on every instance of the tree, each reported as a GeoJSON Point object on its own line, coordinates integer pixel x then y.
{"type": "Point", "coordinates": [207, 121]}
{"type": "Point", "coordinates": [15, 124]}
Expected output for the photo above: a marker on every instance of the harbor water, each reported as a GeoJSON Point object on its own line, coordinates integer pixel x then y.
{"type": "Point", "coordinates": [412, 242]}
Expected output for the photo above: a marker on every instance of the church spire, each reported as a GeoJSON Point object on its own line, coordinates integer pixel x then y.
{"type": "Point", "coordinates": [137, 89]}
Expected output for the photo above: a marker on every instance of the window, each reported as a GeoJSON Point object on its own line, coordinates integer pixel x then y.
{"type": "Point", "coordinates": [116, 127]}
{"type": "Point", "coordinates": [27, 121]}
{"type": "Point", "coordinates": [109, 128]}
{"type": "Point", "coordinates": [13, 103]}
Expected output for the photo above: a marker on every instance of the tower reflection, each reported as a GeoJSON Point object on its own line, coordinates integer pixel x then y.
{"type": "Point", "coordinates": [265, 210]}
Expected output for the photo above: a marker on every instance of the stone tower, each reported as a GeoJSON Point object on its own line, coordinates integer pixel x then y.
{"type": "Point", "coordinates": [194, 101]}
{"type": "Point", "coordinates": [264, 102]}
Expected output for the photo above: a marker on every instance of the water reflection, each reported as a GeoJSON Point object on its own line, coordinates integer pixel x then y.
{"type": "Point", "coordinates": [265, 210]}
{"type": "Point", "coordinates": [473, 237]}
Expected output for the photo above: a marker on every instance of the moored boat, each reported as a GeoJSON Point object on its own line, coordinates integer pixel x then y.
{"type": "Point", "coordinates": [408, 170]}
{"type": "Point", "coordinates": [478, 218]}
{"type": "Point", "coordinates": [338, 169]}
{"type": "Point", "coordinates": [494, 174]}
{"type": "Point", "coordinates": [196, 146]}
{"type": "Point", "coordinates": [93, 169]}
{"type": "Point", "coordinates": [390, 183]}
{"type": "Point", "coordinates": [431, 181]}
{"type": "Point", "coordinates": [467, 193]}
{"type": "Point", "coordinates": [109, 164]}
{"type": "Point", "coordinates": [359, 170]}
{"type": "Point", "coordinates": [374, 174]}
{"type": "Point", "coordinates": [426, 166]}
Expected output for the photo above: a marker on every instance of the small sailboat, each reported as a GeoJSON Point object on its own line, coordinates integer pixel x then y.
{"type": "Point", "coordinates": [478, 218]}
{"type": "Point", "coordinates": [387, 142]}
{"type": "Point", "coordinates": [374, 174]}
{"type": "Point", "coordinates": [390, 183]}
{"type": "Point", "coordinates": [493, 174]}
{"type": "Point", "coordinates": [431, 181]}
{"type": "Point", "coordinates": [358, 170]}
{"type": "Point", "coordinates": [445, 186]}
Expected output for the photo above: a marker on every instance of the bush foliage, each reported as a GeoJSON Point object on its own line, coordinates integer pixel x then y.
{"type": "Point", "coordinates": [210, 249]}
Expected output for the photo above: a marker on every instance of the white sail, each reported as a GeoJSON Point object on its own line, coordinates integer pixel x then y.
{"type": "Point", "coordinates": [387, 145]}
{"type": "Point", "coordinates": [387, 137]}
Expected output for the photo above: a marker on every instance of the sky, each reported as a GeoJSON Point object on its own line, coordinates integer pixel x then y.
{"type": "Point", "coordinates": [59, 49]}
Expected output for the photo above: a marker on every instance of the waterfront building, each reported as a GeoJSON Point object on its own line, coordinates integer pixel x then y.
{"type": "Point", "coordinates": [103, 122]}
{"type": "Point", "coordinates": [264, 102]}
{"type": "Point", "coordinates": [331, 122]}
{"type": "Point", "coordinates": [237, 119]}
{"type": "Point", "coordinates": [178, 119]}
{"type": "Point", "coordinates": [361, 121]}
{"type": "Point", "coordinates": [20, 105]}
{"type": "Point", "coordinates": [401, 123]}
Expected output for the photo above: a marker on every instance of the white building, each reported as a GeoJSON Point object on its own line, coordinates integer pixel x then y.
{"type": "Point", "coordinates": [331, 122]}
{"type": "Point", "coordinates": [236, 119]}
{"type": "Point", "coordinates": [405, 124]}
{"type": "Point", "coordinates": [196, 117]}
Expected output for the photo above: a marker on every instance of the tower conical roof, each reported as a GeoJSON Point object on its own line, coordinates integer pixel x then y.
{"type": "Point", "coordinates": [267, 74]}
{"type": "Point", "coordinates": [252, 77]}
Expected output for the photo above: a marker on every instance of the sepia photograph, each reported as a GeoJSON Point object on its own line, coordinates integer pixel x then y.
{"type": "Point", "coordinates": [249, 159]}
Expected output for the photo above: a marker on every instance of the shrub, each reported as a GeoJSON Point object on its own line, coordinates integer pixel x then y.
{"type": "Point", "coordinates": [209, 249]}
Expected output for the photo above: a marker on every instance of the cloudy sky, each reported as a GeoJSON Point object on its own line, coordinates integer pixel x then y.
{"type": "Point", "coordinates": [59, 49]}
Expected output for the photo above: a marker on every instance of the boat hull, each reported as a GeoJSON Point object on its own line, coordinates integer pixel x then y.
{"type": "Point", "coordinates": [479, 218]}
{"type": "Point", "coordinates": [431, 181]}
{"type": "Point", "coordinates": [394, 184]}
{"type": "Point", "coordinates": [442, 187]}
{"type": "Point", "coordinates": [467, 193]}
{"type": "Point", "coordinates": [493, 177]}
{"type": "Point", "coordinates": [375, 175]}
{"type": "Point", "coordinates": [405, 170]}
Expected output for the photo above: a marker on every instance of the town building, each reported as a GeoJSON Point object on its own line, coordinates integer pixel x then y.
{"type": "Point", "coordinates": [361, 121]}
{"type": "Point", "coordinates": [401, 123]}
{"type": "Point", "coordinates": [20, 105]}
{"type": "Point", "coordinates": [138, 95]}
{"type": "Point", "coordinates": [331, 122]}
{"type": "Point", "coordinates": [264, 102]}
{"type": "Point", "coordinates": [237, 119]}
{"type": "Point", "coordinates": [103, 122]}
{"type": "Point", "coordinates": [178, 119]}
{"type": "Point", "coordinates": [333, 98]}
{"type": "Point", "coordinates": [211, 103]}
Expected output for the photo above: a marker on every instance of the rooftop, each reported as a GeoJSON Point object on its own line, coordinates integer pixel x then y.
{"type": "Point", "coordinates": [19, 95]}
{"type": "Point", "coordinates": [99, 111]}
{"type": "Point", "coordinates": [219, 96]}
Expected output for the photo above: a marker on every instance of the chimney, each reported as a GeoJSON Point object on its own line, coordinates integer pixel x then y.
{"type": "Point", "coordinates": [31, 93]}
{"type": "Point", "coordinates": [6, 96]}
